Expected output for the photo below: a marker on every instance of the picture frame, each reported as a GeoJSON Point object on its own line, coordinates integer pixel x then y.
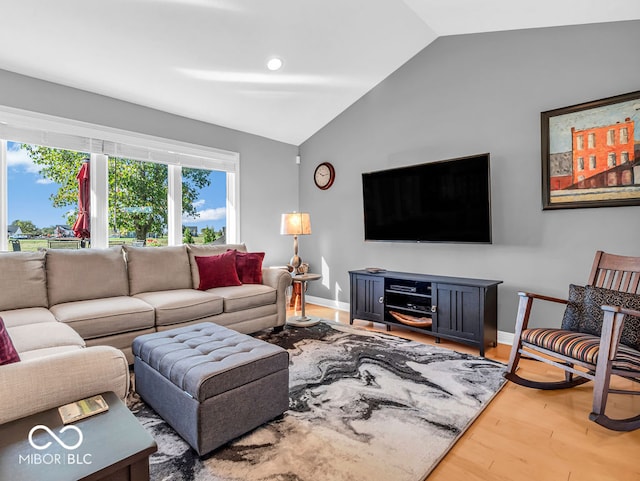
{"type": "Point", "coordinates": [591, 154]}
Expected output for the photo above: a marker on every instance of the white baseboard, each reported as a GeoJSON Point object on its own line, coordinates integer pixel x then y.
{"type": "Point", "coordinates": [320, 301]}
{"type": "Point", "coordinates": [503, 337]}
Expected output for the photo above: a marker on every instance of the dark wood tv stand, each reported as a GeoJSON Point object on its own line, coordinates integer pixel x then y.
{"type": "Point", "coordinates": [454, 308]}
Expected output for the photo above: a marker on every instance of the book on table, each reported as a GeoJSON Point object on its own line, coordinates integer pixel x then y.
{"type": "Point", "coordinates": [84, 408]}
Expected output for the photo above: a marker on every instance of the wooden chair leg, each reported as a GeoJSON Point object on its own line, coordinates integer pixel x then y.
{"type": "Point", "coordinates": [609, 341]}
{"type": "Point", "coordinates": [601, 392]}
{"type": "Point", "coordinates": [568, 375]}
{"type": "Point", "coordinates": [522, 320]}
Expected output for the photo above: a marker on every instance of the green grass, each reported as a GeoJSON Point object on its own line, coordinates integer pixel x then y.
{"type": "Point", "coordinates": [32, 245]}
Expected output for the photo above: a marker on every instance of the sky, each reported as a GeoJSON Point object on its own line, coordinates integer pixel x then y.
{"type": "Point", "coordinates": [29, 195]}
{"type": "Point", "coordinates": [560, 125]}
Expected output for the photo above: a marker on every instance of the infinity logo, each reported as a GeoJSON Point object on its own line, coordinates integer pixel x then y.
{"type": "Point", "coordinates": [53, 435]}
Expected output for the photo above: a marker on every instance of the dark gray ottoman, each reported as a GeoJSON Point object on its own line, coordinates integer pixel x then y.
{"type": "Point", "coordinates": [211, 384]}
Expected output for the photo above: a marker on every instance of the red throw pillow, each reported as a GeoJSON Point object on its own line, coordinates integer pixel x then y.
{"type": "Point", "coordinates": [217, 271]}
{"type": "Point", "coordinates": [8, 353]}
{"type": "Point", "coordinates": [249, 267]}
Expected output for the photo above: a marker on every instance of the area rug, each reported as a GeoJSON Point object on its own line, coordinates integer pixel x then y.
{"type": "Point", "coordinates": [362, 406]}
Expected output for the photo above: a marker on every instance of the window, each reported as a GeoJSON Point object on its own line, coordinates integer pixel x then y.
{"type": "Point", "coordinates": [170, 161]}
{"type": "Point", "coordinates": [592, 162]}
{"type": "Point", "coordinates": [138, 201]}
{"type": "Point", "coordinates": [580, 163]}
{"type": "Point", "coordinates": [624, 157]}
{"type": "Point", "coordinates": [580, 142]}
{"type": "Point", "coordinates": [611, 137]}
{"type": "Point", "coordinates": [41, 207]}
{"type": "Point", "coordinates": [204, 209]}
{"type": "Point", "coordinates": [591, 141]}
{"type": "Point", "coordinates": [43, 201]}
{"type": "Point", "coordinates": [611, 159]}
{"type": "Point", "coordinates": [624, 135]}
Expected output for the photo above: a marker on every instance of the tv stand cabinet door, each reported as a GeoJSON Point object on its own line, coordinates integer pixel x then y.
{"type": "Point", "coordinates": [458, 312]}
{"type": "Point", "coordinates": [367, 298]}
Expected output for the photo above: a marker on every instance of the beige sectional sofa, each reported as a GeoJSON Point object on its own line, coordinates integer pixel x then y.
{"type": "Point", "coordinates": [55, 367]}
{"type": "Point", "coordinates": [66, 311]}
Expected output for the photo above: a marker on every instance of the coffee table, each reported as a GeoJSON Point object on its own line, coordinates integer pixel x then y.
{"type": "Point", "coordinates": [113, 446]}
{"type": "Point", "coordinates": [303, 320]}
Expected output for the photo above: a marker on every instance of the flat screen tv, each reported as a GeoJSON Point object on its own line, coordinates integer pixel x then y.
{"type": "Point", "coordinates": [445, 201]}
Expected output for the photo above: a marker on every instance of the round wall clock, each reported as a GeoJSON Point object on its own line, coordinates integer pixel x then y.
{"type": "Point", "coordinates": [324, 175]}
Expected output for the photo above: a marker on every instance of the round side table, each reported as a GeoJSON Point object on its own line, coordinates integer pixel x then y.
{"type": "Point", "coordinates": [302, 320]}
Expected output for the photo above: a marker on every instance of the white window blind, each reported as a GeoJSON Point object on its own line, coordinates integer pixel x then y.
{"type": "Point", "coordinates": [66, 134]}
{"type": "Point", "coordinates": [49, 131]}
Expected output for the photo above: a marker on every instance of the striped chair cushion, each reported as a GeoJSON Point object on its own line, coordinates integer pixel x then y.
{"type": "Point", "coordinates": [579, 346]}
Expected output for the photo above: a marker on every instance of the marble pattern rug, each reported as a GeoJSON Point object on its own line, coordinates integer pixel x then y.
{"type": "Point", "coordinates": [362, 406]}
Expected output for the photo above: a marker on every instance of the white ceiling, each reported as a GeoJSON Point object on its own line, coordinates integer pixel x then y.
{"type": "Point", "coordinates": [205, 59]}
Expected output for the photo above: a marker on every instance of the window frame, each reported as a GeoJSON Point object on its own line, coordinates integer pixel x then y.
{"type": "Point", "coordinates": [102, 142]}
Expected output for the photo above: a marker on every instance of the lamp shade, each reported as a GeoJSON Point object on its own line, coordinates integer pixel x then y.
{"type": "Point", "coordinates": [295, 223]}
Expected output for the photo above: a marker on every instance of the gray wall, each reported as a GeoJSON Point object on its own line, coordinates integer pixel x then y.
{"type": "Point", "coordinates": [464, 95]}
{"type": "Point", "coordinates": [267, 167]}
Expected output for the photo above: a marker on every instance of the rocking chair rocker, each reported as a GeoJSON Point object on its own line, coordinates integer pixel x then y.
{"type": "Point", "coordinates": [599, 336]}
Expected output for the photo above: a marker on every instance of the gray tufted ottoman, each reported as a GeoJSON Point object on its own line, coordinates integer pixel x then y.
{"type": "Point", "coordinates": [211, 384]}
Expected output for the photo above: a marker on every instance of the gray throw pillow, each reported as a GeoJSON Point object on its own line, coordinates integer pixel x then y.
{"type": "Point", "coordinates": [574, 312]}
{"type": "Point", "coordinates": [594, 297]}
{"type": "Point", "coordinates": [584, 314]}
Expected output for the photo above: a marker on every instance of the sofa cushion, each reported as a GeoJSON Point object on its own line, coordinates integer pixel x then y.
{"type": "Point", "coordinates": [217, 271]}
{"type": "Point", "coordinates": [43, 336]}
{"type": "Point", "coordinates": [8, 353]}
{"type": "Point", "coordinates": [249, 267]}
{"type": "Point", "coordinates": [47, 351]}
{"type": "Point", "coordinates": [246, 296]}
{"type": "Point", "coordinates": [182, 305]}
{"type": "Point", "coordinates": [76, 275]}
{"type": "Point", "coordinates": [158, 269]}
{"type": "Point", "coordinates": [23, 281]}
{"type": "Point", "coordinates": [208, 250]}
{"type": "Point", "coordinates": [103, 317]}
{"type": "Point", "coordinates": [56, 379]}
{"type": "Point", "coordinates": [33, 315]}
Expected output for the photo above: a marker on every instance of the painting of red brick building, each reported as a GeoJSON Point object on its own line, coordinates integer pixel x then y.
{"type": "Point", "coordinates": [592, 153]}
{"type": "Point", "coordinates": [601, 149]}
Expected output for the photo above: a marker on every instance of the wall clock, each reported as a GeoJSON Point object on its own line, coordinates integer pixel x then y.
{"type": "Point", "coordinates": [324, 175]}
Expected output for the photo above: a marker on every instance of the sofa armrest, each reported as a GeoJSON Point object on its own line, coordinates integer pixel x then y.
{"type": "Point", "coordinates": [38, 384]}
{"type": "Point", "coordinates": [279, 279]}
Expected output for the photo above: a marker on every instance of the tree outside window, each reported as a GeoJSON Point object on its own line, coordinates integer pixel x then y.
{"type": "Point", "coordinates": [137, 190]}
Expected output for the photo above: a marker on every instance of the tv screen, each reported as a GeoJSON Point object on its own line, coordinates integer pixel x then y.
{"type": "Point", "coordinates": [445, 201]}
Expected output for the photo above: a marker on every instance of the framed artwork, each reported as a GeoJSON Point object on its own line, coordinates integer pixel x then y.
{"type": "Point", "coordinates": [591, 154]}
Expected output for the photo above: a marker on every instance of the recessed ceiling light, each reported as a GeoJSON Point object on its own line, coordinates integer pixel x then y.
{"type": "Point", "coordinates": [274, 64]}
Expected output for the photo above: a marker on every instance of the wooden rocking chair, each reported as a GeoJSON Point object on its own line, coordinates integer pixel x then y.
{"type": "Point", "coordinates": [599, 336]}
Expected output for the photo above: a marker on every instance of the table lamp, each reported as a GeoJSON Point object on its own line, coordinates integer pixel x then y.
{"type": "Point", "coordinates": [295, 224]}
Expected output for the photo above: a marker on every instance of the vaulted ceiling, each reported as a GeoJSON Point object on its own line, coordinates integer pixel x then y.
{"type": "Point", "coordinates": [206, 59]}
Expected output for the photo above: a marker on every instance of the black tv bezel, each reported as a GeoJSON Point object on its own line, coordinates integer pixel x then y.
{"type": "Point", "coordinates": [483, 156]}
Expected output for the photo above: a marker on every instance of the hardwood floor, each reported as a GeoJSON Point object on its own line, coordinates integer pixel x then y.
{"type": "Point", "coordinates": [526, 434]}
